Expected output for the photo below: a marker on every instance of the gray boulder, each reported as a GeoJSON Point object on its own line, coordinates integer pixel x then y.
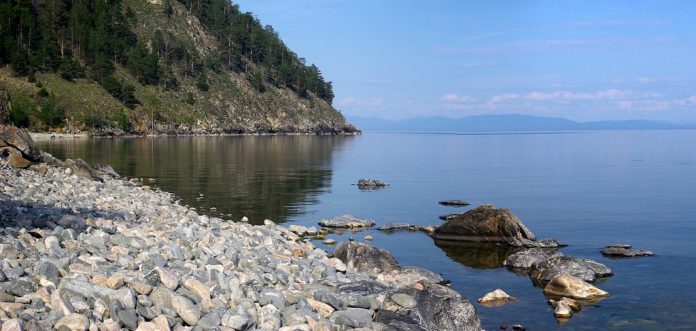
{"type": "Point", "coordinates": [346, 221]}
{"type": "Point", "coordinates": [621, 250]}
{"type": "Point", "coordinates": [365, 258]}
{"type": "Point", "coordinates": [585, 269]}
{"type": "Point", "coordinates": [438, 308]}
{"type": "Point", "coordinates": [527, 258]}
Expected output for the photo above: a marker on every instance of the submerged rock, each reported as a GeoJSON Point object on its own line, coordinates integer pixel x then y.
{"type": "Point", "coordinates": [565, 307]}
{"type": "Point", "coordinates": [454, 203]}
{"type": "Point", "coordinates": [621, 250]}
{"type": "Point", "coordinates": [585, 269]}
{"type": "Point", "coordinates": [565, 285]}
{"type": "Point", "coordinates": [346, 221]}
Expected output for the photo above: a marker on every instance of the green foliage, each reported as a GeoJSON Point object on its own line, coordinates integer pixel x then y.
{"type": "Point", "coordinates": [190, 99]}
{"type": "Point", "coordinates": [256, 80]}
{"type": "Point", "coordinates": [19, 114]}
{"type": "Point", "coordinates": [51, 115]}
{"type": "Point", "coordinates": [242, 36]}
{"type": "Point", "coordinates": [202, 83]}
{"type": "Point", "coordinates": [122, 91]}
{"type": "Point", "coordinates": [168, 10]}
{"type": "Point", "coordinates": [123, 121]}
{"type": "Point", "coordinates": [42, 92]}
{"type": "Point", "coordinates": [71, 70]}
{"type": "Point", "coordinates": [144, 65]}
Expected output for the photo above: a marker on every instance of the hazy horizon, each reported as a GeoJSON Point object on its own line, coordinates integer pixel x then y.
{"type": "Point", "coordinates": [581, 60]}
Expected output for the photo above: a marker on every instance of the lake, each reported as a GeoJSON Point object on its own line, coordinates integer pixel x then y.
{"type": "Point", "coordinates": [586, 189]}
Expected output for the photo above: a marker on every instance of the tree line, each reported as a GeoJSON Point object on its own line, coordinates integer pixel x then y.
{"type": "Point", "coordinates": [87, 39]}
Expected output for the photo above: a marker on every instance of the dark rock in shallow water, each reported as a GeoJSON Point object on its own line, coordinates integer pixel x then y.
{"type": "Point", "coordinates": [367, 184]}
{"type": "Point", "coordinates": [454, 203]}
{"type": "Point", "coordinates": [621, 250]}
{"type": "Point", "coordinates": [585, 269]}
{"type": "Point", "coordinates": [528, 257]}
{"type": "Point", "coordinates": [449, 217]}
{"type": "Point", "coordinates": [396, 227]}
{"type": "Point", "coordinates": [489, 224]}
{"type": "Point", "coordinates": [346, 221]}
{"type": "Point", "coordinates": [365, 258]}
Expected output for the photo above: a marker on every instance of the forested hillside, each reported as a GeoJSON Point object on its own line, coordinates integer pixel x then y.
{"type": "Point", "coordinates": [159, 65]}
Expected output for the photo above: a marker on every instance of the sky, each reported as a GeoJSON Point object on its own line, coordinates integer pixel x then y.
{"type": "Point", "coordinates": [583, 60]}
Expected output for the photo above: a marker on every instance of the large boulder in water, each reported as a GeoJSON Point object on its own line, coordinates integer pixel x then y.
{"type": "Point", "coordinates": [585, 269]}
{"type": "Point", "coordinates": [365, 258]}
{"type": "Point", "coordinates": [485, 224]}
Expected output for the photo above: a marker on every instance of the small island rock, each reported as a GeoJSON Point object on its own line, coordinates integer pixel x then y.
{"type": "Point", "coordinates": [346, 221]}
{"type": "Point", "coordinates": [621, 250]}
{"type": "Point", "coordinates": [454, 203]}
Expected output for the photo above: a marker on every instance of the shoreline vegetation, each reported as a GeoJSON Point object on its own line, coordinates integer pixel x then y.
{"type": "Point", "coordinates": [84, 249]}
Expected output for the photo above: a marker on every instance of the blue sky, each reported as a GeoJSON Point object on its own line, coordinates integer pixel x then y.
{"type": "Point", "coordinates": [583, 60]}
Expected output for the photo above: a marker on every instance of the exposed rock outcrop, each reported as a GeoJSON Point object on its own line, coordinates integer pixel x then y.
{"type": "Point", "coordinates": [489, 224]}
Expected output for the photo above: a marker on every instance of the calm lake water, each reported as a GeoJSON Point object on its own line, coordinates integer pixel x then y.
{"type": "Point", "coordinates": [586, 189]}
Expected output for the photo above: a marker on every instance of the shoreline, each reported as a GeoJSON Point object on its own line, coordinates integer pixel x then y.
{"type": "Point", "coordinates": [49, 135]}
{"type": "Point", "coordinates": [113, 240]}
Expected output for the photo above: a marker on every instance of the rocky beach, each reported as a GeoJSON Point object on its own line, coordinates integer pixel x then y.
{"type": "Point", "coordinates": [82, 249]}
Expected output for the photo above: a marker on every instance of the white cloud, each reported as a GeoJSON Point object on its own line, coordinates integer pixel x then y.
{"type": "Point", "coordinates": [453, 97]}
{"type": "Point", "coordinates": [361, 102]}
{"type": "Point", "coordinates": [689, 101]}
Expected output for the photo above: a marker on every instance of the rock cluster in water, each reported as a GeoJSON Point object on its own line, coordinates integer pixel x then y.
{"type": "Point", "coordinates": [81, 250]}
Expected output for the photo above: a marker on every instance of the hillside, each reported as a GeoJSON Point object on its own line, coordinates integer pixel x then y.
{"type": "Point", "coordinates": [505, 123]}
{"type": "Point", "coordinates": [157, 66]}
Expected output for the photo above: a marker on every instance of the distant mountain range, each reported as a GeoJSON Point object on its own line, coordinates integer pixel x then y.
{"type": "Point", "coordinates": [504, 123]}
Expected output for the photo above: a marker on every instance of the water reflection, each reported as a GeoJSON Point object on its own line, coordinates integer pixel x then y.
{"type": "Point", "coordinates": [258, 177]}
{"type": "Point", "coordinates": [476, 255]}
